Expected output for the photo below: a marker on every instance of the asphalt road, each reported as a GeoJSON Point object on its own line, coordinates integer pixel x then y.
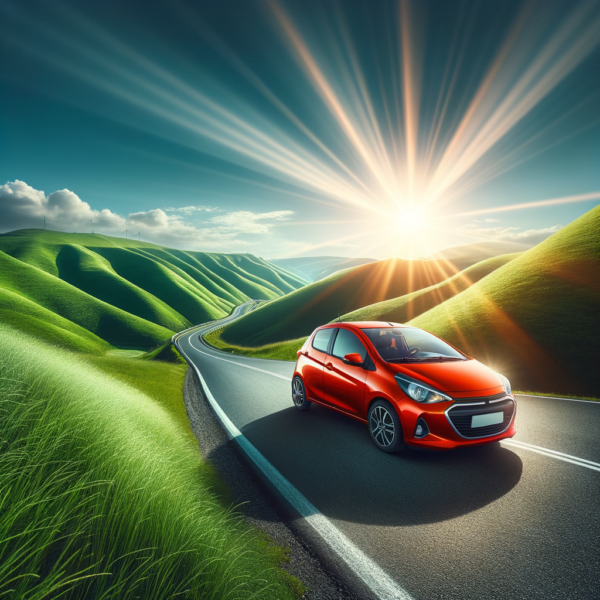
{"type": "Point", "coordinates": [501, 521]}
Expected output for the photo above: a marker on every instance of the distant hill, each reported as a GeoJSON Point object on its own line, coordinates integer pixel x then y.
{"type": "Point", "coordinates": [405, 308]}
{"type": "Point", "coordinates": [298, 313]}
{"type": "Point", "coordinates": [465, 256]}
{"type": "Point", "coordinates": [314, 268]}
{"type": "Point", "coordinates": [89, 290]}
{"type": "Point", "coordinates": [537, 318]}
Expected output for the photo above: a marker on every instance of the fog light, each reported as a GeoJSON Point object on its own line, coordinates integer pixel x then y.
{"type": "Point", "coordinates": [421, 430]}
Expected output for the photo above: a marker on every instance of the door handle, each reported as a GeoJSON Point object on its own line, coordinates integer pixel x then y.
{"type": "Point", "coordinates": [329, 367]}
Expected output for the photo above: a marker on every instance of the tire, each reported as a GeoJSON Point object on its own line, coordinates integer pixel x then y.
{"type": "Point", "coordinates": [384, 427]}
{"type": "Point", "coordinates": [299, 394]}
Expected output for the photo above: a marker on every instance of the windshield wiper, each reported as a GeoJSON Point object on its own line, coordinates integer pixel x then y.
{"type": "Point", "coordinates": [407, 359]}
{"type": "Point", "coordinates": [426, 359]}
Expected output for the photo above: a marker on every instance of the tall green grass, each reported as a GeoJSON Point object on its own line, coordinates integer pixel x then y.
{"type": "Point", "coordinates": [103, 493]}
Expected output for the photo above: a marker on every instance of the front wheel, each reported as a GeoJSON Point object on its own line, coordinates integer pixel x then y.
{"type": "Point", "coordinates": [299, 394]}
{"type": "Point", "coordinates": [384, 427]}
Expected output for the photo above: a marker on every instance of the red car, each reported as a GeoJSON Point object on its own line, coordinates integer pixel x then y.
{"type": "Point", "coordinates": [409, 386]}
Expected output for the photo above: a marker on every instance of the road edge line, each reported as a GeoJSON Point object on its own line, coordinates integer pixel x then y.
{"type": "Point", "coordinates": [557, 398]}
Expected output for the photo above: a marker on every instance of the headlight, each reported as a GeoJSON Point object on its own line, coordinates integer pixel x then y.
{"type": "Point", "coordinates": [419, 391]}
{"type": "Point", "coordinates": [505, 383]}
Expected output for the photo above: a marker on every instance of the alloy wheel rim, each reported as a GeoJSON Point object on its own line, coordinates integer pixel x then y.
{"type": "Point", "coordinates": [382, 426]}
{"type": "Point", "coordinates": [297, 393]}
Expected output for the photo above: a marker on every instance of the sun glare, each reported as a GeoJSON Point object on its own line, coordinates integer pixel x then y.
{"type": "Point", "coordinates": [412, 219]}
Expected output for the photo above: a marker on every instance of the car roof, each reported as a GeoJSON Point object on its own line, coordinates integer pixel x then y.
{"type": "Point", "coordinates": [362, 324]}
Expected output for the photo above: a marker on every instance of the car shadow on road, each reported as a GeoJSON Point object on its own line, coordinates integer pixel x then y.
{"type": "Point", "coordinates": [330, 458]}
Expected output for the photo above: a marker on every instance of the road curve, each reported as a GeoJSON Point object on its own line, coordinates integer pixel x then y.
{"type": "Point", "coordinates": [505, 521]}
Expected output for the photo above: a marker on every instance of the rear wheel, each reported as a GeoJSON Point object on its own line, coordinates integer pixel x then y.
{"type": "Point", "coordinates": [384, 427]}
{"type": "Point", "coordinates": [299, 394]}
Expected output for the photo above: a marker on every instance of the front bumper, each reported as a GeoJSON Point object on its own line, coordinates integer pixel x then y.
{"type": "Point", "coordinates": [449, 423]}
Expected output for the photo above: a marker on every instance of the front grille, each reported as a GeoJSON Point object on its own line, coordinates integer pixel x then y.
{"type": "Point", "coordinates": [482, 398]}
{"type": "Point", "coordinates": [460, 418]}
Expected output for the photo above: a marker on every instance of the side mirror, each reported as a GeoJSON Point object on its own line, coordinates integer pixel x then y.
{"type": "Point", "coordinates": [353, 359]}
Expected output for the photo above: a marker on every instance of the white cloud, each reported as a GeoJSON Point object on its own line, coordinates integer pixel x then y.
{"type": "Point", "coordinates": [245, 221]}
{"type": "Point", "coordinates": [22, 207]}
{"type": "Point", "coordinates": [510, 234]}
{"type": "Point", "coordinates": [492, 220]}
{"type": "Point", "coordinates": [191, 209]}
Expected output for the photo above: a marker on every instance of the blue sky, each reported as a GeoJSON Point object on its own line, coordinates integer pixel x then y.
{"type": "Point", "coordinates": [300, 128]}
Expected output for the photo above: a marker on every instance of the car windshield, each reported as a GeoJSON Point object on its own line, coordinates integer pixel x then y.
{"type": "Point", "coordinates": [409, 344]}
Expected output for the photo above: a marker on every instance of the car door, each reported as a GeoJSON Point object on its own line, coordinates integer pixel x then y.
{"type": "Point", "coordinates": [312, 370]}
{"type": "Point", "coordinates": [344, 384]}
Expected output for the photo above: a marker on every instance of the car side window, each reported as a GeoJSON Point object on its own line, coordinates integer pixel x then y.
{"type": "Point", "coordinates": [347, 343]}
{"type": "Point", "coordinates": [321, 339]}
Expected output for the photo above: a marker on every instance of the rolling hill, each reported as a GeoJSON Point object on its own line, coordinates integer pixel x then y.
{"type": "Point", "coordinates": [122, 292]}
{"type": "Point", "coordinates": [298, 313]}
{"type": "Point", "coordinates": [463, 257]}
{"type": "Point", "coordinates": [407, 307]}
{"type": "Point", "coordinates": [314, 268]}
{"type": "Point", "coordinates": [537, 318]}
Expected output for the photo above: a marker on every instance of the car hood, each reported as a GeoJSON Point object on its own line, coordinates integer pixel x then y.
{"type": "Point", "coordinates": [452, 376]}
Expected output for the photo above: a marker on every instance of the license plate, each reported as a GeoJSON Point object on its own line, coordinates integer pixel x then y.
{"type": "Point", "coordinates": [488, 419]}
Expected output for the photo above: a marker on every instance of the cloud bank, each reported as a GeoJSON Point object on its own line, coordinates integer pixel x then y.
{"type": "Point", "coordinates": [530, 237]}
{"type": "Point", "coordinates": [24, 207]}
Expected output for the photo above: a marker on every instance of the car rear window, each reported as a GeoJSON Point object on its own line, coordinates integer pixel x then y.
{"type": "Point", "coordinates": [347, 343]}
{"type": "Point", "coordinates": [321, 339]}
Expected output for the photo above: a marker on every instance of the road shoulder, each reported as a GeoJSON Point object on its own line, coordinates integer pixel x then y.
{"type": "Point", "coordinates": [255, 502]}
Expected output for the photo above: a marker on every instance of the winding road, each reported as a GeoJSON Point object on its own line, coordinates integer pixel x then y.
{"type": "Point", "coordinates": [514, 520]}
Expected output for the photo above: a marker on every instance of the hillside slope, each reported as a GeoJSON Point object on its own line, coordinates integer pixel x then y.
{"type": "Point", "coordinates": [536, 319]}
{"type": "Point", "coordinates": [30, 318]}
{"type": "Point", "coordinates": [126, 292]}
{"type": "Point", "coordinates": [314, 268]}
{"type": "Point", "coordinates": [298, 313]}
{"type": "Point", "coordinates": [465, 256]}
{"type": "Point", "coordinates": [408, 307]}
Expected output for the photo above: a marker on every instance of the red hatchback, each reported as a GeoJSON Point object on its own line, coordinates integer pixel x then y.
{"type": "Point", "coordinates": [409, 386]}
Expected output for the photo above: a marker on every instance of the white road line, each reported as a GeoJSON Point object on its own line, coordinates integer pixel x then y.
{"type": "Point", "coordinates": [233, 362]}
{"type": "Point", "coordinates": [582, 462]}
{"type": "Point", "coordinates": [373, 576]}
{"type": "Point", "coordinates": [557, 398]}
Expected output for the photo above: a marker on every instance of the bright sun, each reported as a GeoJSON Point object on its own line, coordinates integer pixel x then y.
{"type": "Point", "coordinates": [411, 218]}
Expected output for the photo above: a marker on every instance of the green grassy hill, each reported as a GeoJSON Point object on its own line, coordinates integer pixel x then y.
{"type": "Point", "coordinates": [314, 268]}
{"type": "Point", "coordinates": [104, 493]}
{"type": "Point", "coordinates": [536, 319]}
{"type": "Point", "coordinates": [297, 314]}
{"type": "Point", "coordinates": [405, 308]}
{"type": "Point", "coordinates": [463, 257]}
{"type": "Point", "coordinates": [124, 292]}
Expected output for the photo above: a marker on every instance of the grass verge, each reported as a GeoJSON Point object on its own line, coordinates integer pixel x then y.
{"type": "Point", "coordinates": [277, 351]}
{"type": "Point", "coordinates": [103, 492]}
